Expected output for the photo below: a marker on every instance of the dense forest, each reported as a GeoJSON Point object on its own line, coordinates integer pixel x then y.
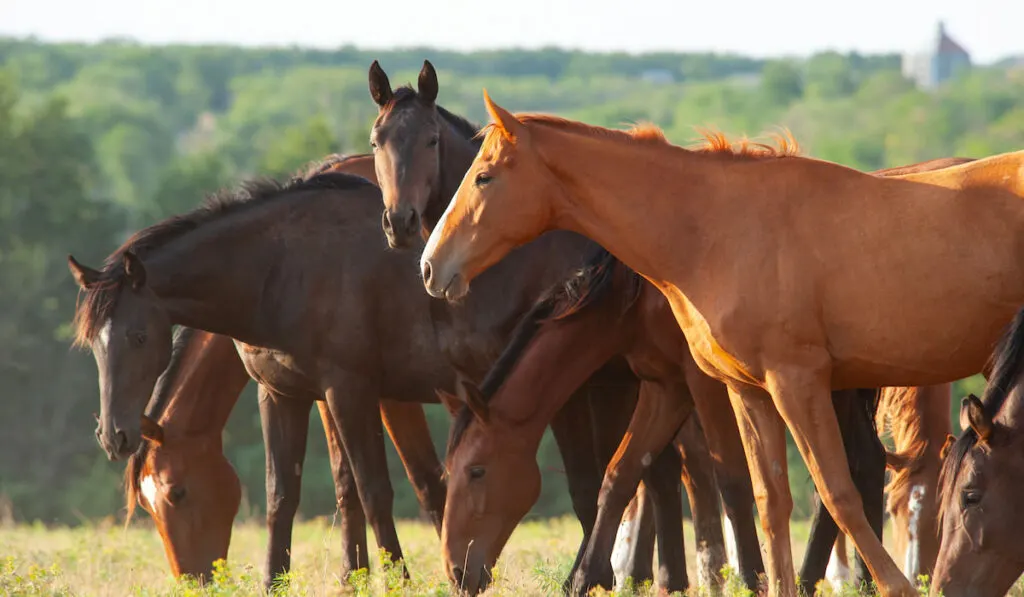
{"type": "Point", "coordinates": [99, 140]}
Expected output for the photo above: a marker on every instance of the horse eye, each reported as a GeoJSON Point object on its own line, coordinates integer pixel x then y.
{"type": "Point", "coordinates": [482, 179]}
{"type": "Point", "coordinates": [433, 142]}
{"type": "Point", "coordinates": [476, 472]}
{"type": "Point", "coordinates": [139, 338]}
{"type": "Point", "coordinates": [175, 494]}
{"type": "Point", "coordinates": [373, 144]}
{"type": "Point", "coordinates": [970, 498]}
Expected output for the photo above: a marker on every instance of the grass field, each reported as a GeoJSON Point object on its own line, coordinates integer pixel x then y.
{"type": "Point", "coordinates": [106, 560]}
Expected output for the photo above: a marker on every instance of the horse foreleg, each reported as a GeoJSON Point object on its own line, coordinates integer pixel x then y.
{"type": "Point", "coordinates": [801, 395]}
{"type": "Point", "coordinates": [407, 425]}
{"type": "Point", "coordinates": [352, 520]}
{"type": "Point", "coordinates": [285, 424]}
{"type": "Point", "coordinates": [655, 422]}
{"type": "Point", "coordinates": [662, 481]}
{"type": "Point", "coordinates": [698, 477]}
{"type": "Point", "coordinates": [355, 408]}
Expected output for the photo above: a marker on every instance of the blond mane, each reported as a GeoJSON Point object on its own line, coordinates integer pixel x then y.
{"type": "Point", "coordinates": [646, 133]}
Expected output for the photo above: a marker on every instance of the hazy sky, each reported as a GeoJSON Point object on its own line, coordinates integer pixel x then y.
{"type": "Point", "coordinates": [989, 29]}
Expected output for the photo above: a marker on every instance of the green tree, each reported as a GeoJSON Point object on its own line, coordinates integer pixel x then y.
{"type": "Point", "coordinates": [781, 82]}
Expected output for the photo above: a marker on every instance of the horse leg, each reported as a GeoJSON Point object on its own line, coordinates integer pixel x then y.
{"type": "Point", "coordinates": [285, 426]}
{"type": "Point", "coordinates": [356, 414]}
{"type": "Point", "coordinates": [764, 441]}
{"type": "Point", "coordinates": [823, 536]}
{"type": "Point", "coordinates": [868, 454]}
{"type": "Point", "coordinates": [662, 482]}
{"type": "Point", "coordinates": [633, 553]}
{"type": "Point", "coordinates": [574, 435]}
{"type": "Point", "coordinates": [658, 416]}
{"type": "Point", "coordinates": [352, 520]}
{"type": "Point", "coordinates": [407, 425]}
{"type": "Point", "coordinates": [702, 490]}
{"type": "Point", "coordinates": [731, 472]}
{"type": "Point", "coordinates": [801, 395]}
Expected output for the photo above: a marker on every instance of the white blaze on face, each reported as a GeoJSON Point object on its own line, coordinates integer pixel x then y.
{"type": "Point", "coordinates": [148, 489]}
{"type": "Point", "coordinates": [104, 335]}
{"type": "Point", "coordinates": [912, 559]}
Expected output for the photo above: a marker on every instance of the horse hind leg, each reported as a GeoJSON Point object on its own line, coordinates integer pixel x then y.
{"type": "Point", "coordinates": [633, 554]}
{"type": "Point", "coordinates": [698, 478]}
{"type": "Point", "coordinates": [351, 518]}
{"type": "Point", "coordinates": [406, 423]}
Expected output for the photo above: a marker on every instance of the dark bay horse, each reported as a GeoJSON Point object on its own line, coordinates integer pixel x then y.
{"type": "Point", "coordinates": [981, 520]}
{"type": "Point", "coordinates": [421, 153]}
{"type": "Point", "coordinates": [299, 276]}
{"type": "Point", "coordinates": [182, 478]}
{"type": "Point", "coordinates": [789, 276]}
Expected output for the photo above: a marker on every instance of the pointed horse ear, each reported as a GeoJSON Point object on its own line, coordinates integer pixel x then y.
{"type": "Point", "coordinates": [426, 86]}
{"type": "Point", "coordinates": [134, 270]}
{"type": "Point", "coordinates": [152, 431]}
{"type": "Point", "coordinates": [84, 275]}
{"type": "Point", "coordinates": [474, 399]}
{"type": "Point", "coordinates": [505, 121]}
{"type": "Point", "coordinates": [973, 415]}
{"type": "Point", "coordinates": [450, 401]}
{"type": "Point", "coordinates": [380, 87]}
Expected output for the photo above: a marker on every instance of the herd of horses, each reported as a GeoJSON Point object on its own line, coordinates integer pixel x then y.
{"type": "Point", "coordinates": [667, 312]}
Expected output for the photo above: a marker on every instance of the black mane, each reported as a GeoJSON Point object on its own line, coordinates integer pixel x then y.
{"type": "Point", "coordinates": [99, 301]}
{"type": "Point", "coordinates": [584, 288]}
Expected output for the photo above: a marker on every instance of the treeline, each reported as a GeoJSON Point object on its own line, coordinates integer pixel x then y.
{"type": "Point", "coordinates": [99, 140]}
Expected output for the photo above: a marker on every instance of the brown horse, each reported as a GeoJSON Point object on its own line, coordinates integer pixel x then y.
{"type": "Point", "coordinates": [789, 276]}
{"type": "Point", "coordinates": [183, 464]}
{"type": "Point", "coordinates": [299, 276]}
{"type": "Point", "coordinates": [918, 419]}
{"type": "Point", "coordinates": [421, 152]}
{"type": "Point", "coordinates": [980, 516]}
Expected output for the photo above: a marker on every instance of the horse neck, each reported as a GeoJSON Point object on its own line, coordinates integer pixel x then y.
{"type": "Point", "coordinates": [456, 154]}
{"type": "Point", "coordinates": [205, 387]}
{"type": "Point", "coordinates": [216, 277]}
{"type": "Point", "coordinates": [559, 359]}
{"type": "Point", "coordinates": [635, 199]}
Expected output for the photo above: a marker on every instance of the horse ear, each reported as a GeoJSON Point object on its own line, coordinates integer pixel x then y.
{"type": "Point", "coordinates": [509, 125]}
{"type": "Point", "coordinates": [380, 87]}
{"type": "Point", "coordinates": [84, 275]}
{"type": "Point", "coordinates": [474, 399]}
{"type": "Point", "coordinates": [427, 84]}
{"type": "Point", "coordinates": [450, 401]}
{"type": "Point", "coordinates": [134, 270]}
{"type": "Point", "coordinates": [950, 440]}
{"type": "Point", "coordinates": [152, 431]}
{"type": "Point", "coordinates": [973, 415]}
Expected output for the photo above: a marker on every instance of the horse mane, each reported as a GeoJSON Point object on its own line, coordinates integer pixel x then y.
{"type": "Point", "coordinates": [157, 405]}
{"type": "Point", "coordinates": [406, 94]}
{"type": "Point", "coordinates": [898, 408]}
{"type": "Point", "coordinates": [1006, 372]}
{"type": "Point", "coordinates": [714, 142]}
{"type": "Point", "coordinates": [583, 288]}
{"type": "Point", "coordinates": [97, 303]}
{"type": "Point", "coordinates": [331, 162]}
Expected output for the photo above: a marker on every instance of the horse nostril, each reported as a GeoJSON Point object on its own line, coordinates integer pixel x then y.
{"type": "Point", "coordinates": [120, 441]}
{"type": "Point", "coordinates": [411, 221]}
{"type": "Point", "coordinates": [427, 273]}
{"type": "Point", "coordinates": [385, 222]}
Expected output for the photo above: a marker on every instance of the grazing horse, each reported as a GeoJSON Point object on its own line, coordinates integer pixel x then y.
{"type": "Point", "coordinates": [980, 516]}
{"type": "Point", "coordinates": [182, 478]}
{"type": "Point", "coordinates": [299, 276]}
{"type": "Point", "coordinates": [421, 153]}
{"type": "Point", "coordinates": [918, 419]}
{"type": "Point", "coordinates": [789, 276]}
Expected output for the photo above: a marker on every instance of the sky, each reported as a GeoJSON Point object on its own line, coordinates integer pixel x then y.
{"type": "Point", "coordinates": [988, 29]}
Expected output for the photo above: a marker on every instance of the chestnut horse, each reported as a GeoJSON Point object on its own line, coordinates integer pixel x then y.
{"type": "Point", "coordinates": [421, 153]}
{"type": "Point", "coordinates": [182, 478]}
{"type": "Point", "coordinates": [789, 276]}
{"type": "Point", "coordinates": [981, 553]}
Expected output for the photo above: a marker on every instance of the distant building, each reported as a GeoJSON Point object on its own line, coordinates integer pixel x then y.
{"type": "Point", "coordinates": [939, 62]}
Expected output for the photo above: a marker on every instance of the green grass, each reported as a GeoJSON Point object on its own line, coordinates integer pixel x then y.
{"type": "Point", "coordinates": [107, 560]}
